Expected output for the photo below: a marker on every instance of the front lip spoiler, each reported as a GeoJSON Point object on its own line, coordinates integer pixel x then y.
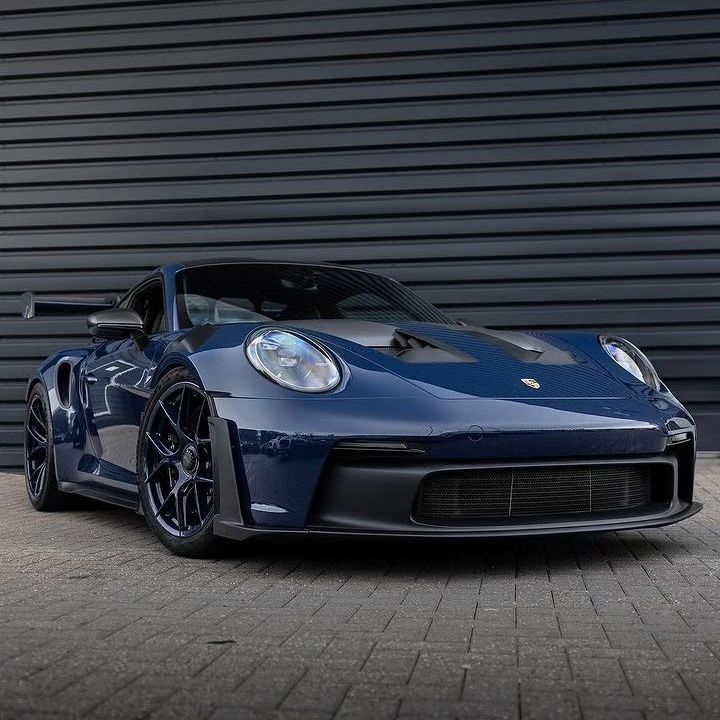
{"type": "Point", "coordinates": [238, 531]}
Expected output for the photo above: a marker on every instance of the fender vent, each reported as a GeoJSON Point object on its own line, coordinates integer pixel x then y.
{"type": "Point", "coordinates": [63, 382]}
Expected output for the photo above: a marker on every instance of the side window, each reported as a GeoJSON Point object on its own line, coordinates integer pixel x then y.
{"type": "Point", "coordinates": [149, 304]}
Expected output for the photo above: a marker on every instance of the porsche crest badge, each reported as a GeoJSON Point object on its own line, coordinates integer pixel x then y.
{"type": "Point", "coordinates": [530, 382]}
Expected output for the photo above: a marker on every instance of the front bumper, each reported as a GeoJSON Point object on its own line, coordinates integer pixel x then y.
{"type": "Point", "coordinates": [276, 480]}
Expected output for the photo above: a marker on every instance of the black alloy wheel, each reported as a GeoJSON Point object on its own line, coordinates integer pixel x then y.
{"type": "Point", "coordinates": [40, 479]}
{"type": "Point", "coordinates": [175, 465]}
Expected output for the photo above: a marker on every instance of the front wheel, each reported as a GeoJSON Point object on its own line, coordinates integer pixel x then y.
{"type": "Point", "coordinates": [175, 466]}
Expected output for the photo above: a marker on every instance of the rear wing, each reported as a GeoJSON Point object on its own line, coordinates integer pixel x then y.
{"type": "Point", "coordinates": [64, 304]}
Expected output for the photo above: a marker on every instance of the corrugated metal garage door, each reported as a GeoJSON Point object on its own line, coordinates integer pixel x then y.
{"type": "Point", "coordinates": [548, 164]}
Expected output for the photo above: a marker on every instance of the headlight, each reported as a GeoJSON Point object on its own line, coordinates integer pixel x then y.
{"type": "Point", "coordinates": [292, 361]}
{"type": "Point", "coordinates": [628, 357]}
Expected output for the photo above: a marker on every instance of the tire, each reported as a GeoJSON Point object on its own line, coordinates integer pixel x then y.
{"type": "Point", "coordinates": [40, 474]}
{"type": "Point", "coordinates": [174, 466]}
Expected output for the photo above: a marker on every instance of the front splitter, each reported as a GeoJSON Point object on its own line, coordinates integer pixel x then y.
{"type": "Point", "coordinates": [238, 531]}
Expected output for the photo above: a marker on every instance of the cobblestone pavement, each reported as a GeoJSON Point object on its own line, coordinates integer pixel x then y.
{"type": "Point", "coordinates": [97, 620]}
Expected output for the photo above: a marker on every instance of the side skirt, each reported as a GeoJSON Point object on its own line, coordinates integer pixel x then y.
{"type": "Point", "coordinates": [114, 497]}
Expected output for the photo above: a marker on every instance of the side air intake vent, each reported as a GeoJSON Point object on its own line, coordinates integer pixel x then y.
{"type": "Point", "coordinates": [63, 382]}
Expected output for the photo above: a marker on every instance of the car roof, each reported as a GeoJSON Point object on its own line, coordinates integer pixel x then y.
{"type": "Point", "coordinates": [256, 261]}
{"type": "Point", "coordinates": [176, 267]}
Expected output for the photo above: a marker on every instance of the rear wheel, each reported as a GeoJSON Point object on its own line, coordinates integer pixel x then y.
{"type": "Point", "coordinates": [175, 466]}
{"type": "Point", "coordinates": [40, 477]}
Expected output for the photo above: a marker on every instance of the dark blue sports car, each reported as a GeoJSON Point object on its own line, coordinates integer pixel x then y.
{"type": "Point", "coordinates": [226, 399]}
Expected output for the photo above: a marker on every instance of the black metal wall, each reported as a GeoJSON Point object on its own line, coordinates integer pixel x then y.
{"type": "Point", "coordinates": [548, 164]}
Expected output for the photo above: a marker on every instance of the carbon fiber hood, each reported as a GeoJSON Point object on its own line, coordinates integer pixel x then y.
{"type": "Point", "coordinates": [451, 361]}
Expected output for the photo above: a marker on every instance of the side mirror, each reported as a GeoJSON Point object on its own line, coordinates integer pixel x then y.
{"type": "Point", "coordinates": [115, 324]}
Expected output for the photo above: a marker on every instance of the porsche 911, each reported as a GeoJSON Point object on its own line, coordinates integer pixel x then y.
{"type": "Point", "coordinates": [232, 399]}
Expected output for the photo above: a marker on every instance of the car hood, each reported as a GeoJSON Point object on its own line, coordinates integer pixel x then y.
{"type": "Point", "coordinates": [451, 361]}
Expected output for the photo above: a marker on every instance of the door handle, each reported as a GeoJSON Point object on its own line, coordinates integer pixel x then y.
{"type": "Point", "coordinates": [90, 379]}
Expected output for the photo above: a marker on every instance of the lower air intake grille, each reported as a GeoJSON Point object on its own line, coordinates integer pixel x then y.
{"type": "Point", "coordinates": [518, 492]}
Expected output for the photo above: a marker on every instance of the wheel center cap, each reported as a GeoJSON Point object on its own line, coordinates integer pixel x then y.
{"type": "Point", "coordinates": [190, 460]}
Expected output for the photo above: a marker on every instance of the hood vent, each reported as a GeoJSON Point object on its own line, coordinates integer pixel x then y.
{"type": "Point", "coordinates": [523, 346]}
{"type": "Point", "coordinates": [414, 348]}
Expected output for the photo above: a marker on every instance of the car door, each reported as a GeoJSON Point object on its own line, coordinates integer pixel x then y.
{"type": "Point", "coordinates": [117, 379]}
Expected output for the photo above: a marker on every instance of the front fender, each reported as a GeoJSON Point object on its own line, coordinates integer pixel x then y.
{"type": "Point", "coordinates": [215, 355]}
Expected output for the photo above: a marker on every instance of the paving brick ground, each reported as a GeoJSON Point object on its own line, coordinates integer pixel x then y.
{"type": "Point", "coordinates": [99, 621]}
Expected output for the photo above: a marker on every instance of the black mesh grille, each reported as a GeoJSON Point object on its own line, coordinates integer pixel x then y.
{"type": "Point", "coordinates": [520, 492]}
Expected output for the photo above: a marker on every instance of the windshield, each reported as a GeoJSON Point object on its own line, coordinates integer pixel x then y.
{"type": "Point", "coordinates": [260, 292]}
